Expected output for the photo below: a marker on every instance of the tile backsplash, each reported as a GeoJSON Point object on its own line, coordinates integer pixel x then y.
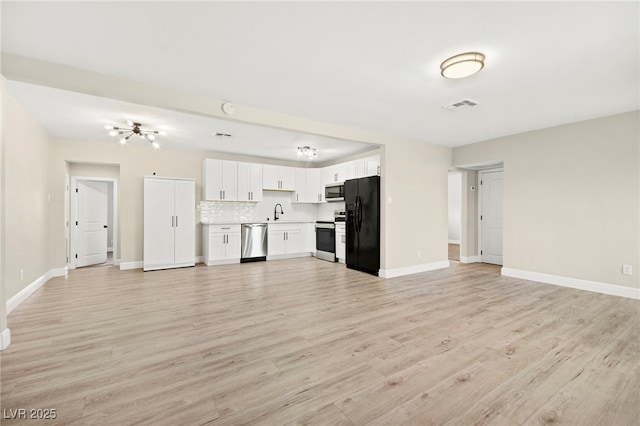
{"type": "Point", "coordinates": [236, 211]}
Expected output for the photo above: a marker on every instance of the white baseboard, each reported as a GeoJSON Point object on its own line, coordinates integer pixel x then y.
{"type": "Point", "coordinates": [131, 265]}
{"type": "Point", "coordinates": [470, 259]}
{"type": "Point", "coordinates": [288, 256]}
{"type": "Point", "coordinates": [597, 287]}
{"type": "Point", "coordinates": [5, 339]}
{"type": "Point", "coordinates": [222, 262]}
{"type": "Point", "coordinates": [23, 294]}
{"type": "Point", "coordinates": [454, 241]}
{"type": "Point", "coordinates": [398, 272]}
{"type": "Point", "coordinates": [140, 264]}
{"type": "Point", "coordinates": [60, 272]}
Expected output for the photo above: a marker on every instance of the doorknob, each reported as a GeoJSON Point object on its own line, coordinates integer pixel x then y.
{"type": "Point", "coordinates": [105, 226]}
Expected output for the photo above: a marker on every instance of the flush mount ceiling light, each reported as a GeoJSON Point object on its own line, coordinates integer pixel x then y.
{"type": "Point", "coordinates": [305, 151]}
{"type": "Point", "coordinates": [462, 65]}
{"type": "Point", "coordinates": [134, 129]}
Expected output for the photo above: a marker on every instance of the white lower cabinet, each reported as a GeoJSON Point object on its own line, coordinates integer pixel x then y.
{"type": "Point", "coordinates": [286, 240]}
{"type": "Point", "coordinates": [221, 244]}
{"type": "Point", "coordinates": [169, 223]}
{"type": "Point", "coordinates": [341, 242]}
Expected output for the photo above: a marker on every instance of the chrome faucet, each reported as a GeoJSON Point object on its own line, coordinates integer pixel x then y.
{"type": "Point", "coordinates": [275, 212]}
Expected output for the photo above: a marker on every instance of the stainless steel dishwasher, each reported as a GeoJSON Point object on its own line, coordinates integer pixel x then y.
{"type": "Point", "coordinates": [254, 242]}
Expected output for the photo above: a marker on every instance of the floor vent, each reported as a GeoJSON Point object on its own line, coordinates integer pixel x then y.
{"type": "Point", "coordinates": [463, 104]}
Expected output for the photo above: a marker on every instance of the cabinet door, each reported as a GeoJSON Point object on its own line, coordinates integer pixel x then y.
{"type": "Point", "coordinates": [340, 245]}
{"type": "Point", "coordinates": [372, 166]}
{"type": "Point", "coordinates": [352, 169]}
{"type": "Point", "coordinates": [300, 195]}
{"type": "Point", "coordinates": [256, 182]}
{"type": "Point", "coordinates": [158, 235]}
{"type": "Point", "coordinates": [314, 188]}
{"type": "Point", "coordinates": [212, 179]}
{"type": "Point", "coordinates": [185, 221]}
{"type": "Point", "coordinates": [288, 178]}
{"type": "Point", "coordinates": [310, 237]}
{"type": "Point", "coordinates": [233, 246]}
{"type": "Point", "coordinates": [229, 180]}
{"type": "Point", "coordinates": [244, 182]}
{"type": "Point", "coordinates": [275, 243]}
{"type": "Point", "coordinates": [295, 241]}
{"type": "Point", "coordinates": [340, 172]}
{"type": "Point", "coordinates": [217, 247]}
{"type": "Point", "coordinates": [327, 175]}
{"type": "Point", "coordinates": [270, 177]}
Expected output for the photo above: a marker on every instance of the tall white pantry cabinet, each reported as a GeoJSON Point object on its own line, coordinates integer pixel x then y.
{"type": "Point", "coordinates": [169, 223]}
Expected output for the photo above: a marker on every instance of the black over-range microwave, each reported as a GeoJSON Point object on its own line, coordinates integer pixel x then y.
{"type": "Point", "coordinates": [334, 192]}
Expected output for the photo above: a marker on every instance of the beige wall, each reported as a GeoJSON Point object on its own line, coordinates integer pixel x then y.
{"type": "Point", "coordinates": [571, 198]}
{"type": "Point", "coordinates": [414, 167]}
{"type": "Point", "coordinates": [27, 197]}
{"type": "Point", "coordinates": [3, 281]}
{"type": "Point", "coordinates": [422, 162]}
{"type": "Point", "coordinates": [414, 202]}
{"type": "Point", "coordinates": [469, 233]}
{"type": "Point", "coordinates": [135, 161]}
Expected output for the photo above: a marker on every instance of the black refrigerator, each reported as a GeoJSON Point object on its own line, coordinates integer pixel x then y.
{"type": "Point", "coordinates": [362, 202]}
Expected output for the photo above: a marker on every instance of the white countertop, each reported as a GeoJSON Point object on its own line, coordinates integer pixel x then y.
{"type": "Point", "coordinates": [270, 222]}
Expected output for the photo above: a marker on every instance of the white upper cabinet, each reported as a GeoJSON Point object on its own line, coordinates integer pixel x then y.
{"type": "Point", "coordinates": [339, 172]}
{"type": "Point", "coordinates": [300, 195]}
{"type": "Point", "coordinates": [371, 166]}
{"type": "Point", "coordinates": [334, 174]}
{"type": "Point", "coordinates": [278, 178]}
{"type": "Point", "coordinates": [308, 186]}
{"type": "Point", "coordinates": [314, 186]}
{"type": "Point", "coordinates": [249, 182]}
{"type": "Point", "coordinates": [352, 168]}
{"type": "Point", "coordinates": [364, 167]}
{"type": "Point", "coordinates": [220, 180]}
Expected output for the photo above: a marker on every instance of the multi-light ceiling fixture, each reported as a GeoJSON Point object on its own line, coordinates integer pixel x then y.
{"type": "Point", "coordinates": [306, 151]}
{"type": "Point", "coordinates": [134, 129]}
{"type": "Point", "coordinates": [462, 65]}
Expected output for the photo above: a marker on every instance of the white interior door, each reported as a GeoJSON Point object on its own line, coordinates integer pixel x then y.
{"type": "Point", "coordinates": [491, 189]}
{"type": "Point", "coordinates": [92, 211]}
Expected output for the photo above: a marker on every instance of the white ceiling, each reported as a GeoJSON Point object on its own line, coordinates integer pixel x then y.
{"type": "Point", "coordinates": [83, 117]}
{"type": "Point", "coordinates": [367, 65]}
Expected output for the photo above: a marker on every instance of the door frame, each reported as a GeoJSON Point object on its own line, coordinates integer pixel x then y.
{"type": "Point", "coordinates": [480, 174]}
{"type": "Point", "coordinates": [73, 216]}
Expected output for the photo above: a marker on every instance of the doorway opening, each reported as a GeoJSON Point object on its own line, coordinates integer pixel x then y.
{"type": "Point", "coordinates": [93, 227]}
{"type": "Point", "coordinates": [455, 215]}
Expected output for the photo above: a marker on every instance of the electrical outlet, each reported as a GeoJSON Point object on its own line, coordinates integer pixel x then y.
{"type": "Point", "coordinates": [627, 269]}
{"type": "Point", "coordinates": [419, 254]}
{"type": "Point", "coordinates": [21, 274]}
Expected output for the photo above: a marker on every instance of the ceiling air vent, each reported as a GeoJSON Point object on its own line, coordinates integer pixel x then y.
{"type": "Point", "coordinates": [463, 104]}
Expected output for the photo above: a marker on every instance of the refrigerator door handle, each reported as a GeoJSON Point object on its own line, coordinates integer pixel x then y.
{"type": "Point", "coordinates": [359, 213]}
{"type": "Point", "coordinates": [355, 213]}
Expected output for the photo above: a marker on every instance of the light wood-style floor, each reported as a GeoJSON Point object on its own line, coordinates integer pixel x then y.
{"type": "Point", "coordinates": [454, 251]}
{"type": "Point", "coordinates": [304, 341]}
